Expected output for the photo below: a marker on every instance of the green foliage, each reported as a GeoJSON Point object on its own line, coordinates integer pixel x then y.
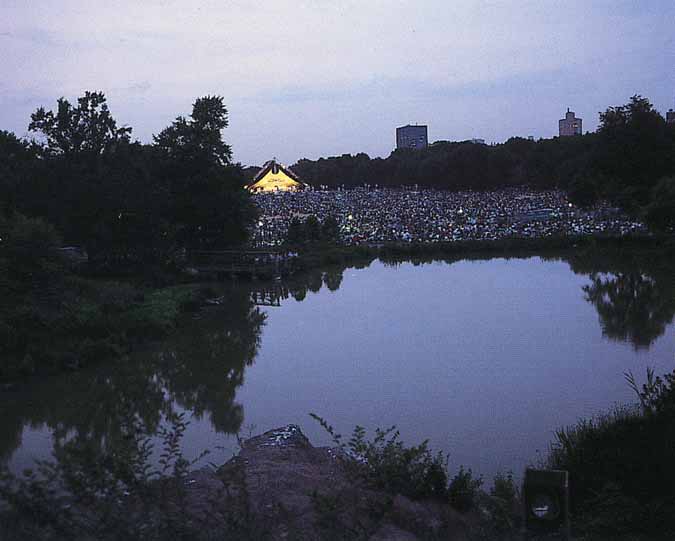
{"type": "Point", "coordinates": [504, 503]}
{"type": "Point", "coordinates": [87, 127]}
{"type": "Point", "coordinates": [131, 206]}
{"type": "Point", "coordinates": [459, 165]}
{"type": "Point", "coordinates": [583, 191]}
{"type": "Point", "coordinates": [296, 232]}
{"type": "Point", "coordinates": [463, 490]}
{"type": "Point", "coordinates": [657, 395]}
{"type": "Point", "coordinates": [387, 464]}
{"type": "Point", "coordinates": [207, 203]}
{"type": "Point", "coordinates": [107, 493]}
{"type": "Point", "coordinates": [505, 488]}
{"type": "Point", "coordinates": [330, 230]}
{"type": "Point", "coordinates": [624, 161]}
{"type": "Point", "coordinates": [620, 464]}
{"type": "Point", "coordinates": [635, 150]}
{"type": "Point", "coordinates": [51, 319]}
{"type": "Point", "coordinates": [28, 249]}
{"type": "Point", "coordinates": [198, 140]}
{"type": "Point", "coordinates": [312, 228]}
{"type": "Point", "coordinates": [312, 231]}
{"type": "Point", "coordinates": [659, 213]}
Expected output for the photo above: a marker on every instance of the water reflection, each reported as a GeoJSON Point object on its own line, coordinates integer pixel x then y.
{"type": "Point", "coordinates": [634, 298]}
{"type": "Point", "coordinates": [200, 368]}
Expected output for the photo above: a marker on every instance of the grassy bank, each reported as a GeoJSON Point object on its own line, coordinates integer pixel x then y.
{"type": "Point", "coordinates": [621, 465]}
{"type": "Point", "coordinates": [319, 255]}
{"type": "Point", "coordinates": [83, 321]}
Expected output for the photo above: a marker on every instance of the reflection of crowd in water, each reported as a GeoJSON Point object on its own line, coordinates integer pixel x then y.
{"type": "Point", "coordinates": [367, 215]}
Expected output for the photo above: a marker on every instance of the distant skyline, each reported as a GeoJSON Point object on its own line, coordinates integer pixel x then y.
{"type": "Point", "coordinates": [318, 78]}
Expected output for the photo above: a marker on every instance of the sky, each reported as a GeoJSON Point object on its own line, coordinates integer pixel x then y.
{"type": "Point", "coordinates": [304, 79]}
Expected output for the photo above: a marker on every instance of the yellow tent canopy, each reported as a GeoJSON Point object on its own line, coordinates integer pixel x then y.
{"type": "Point", "coordinates": [274, 177]}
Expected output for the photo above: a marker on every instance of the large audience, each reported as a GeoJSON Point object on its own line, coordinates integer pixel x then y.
{"type": "Point", "coordinates": [371, 215]}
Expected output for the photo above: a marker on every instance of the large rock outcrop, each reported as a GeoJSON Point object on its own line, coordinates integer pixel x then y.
{"type": "Point", "coordinates": [282, 487]}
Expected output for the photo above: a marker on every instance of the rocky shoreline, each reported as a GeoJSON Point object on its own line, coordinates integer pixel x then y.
{"type": "Point", "coordinates": [282, 487]}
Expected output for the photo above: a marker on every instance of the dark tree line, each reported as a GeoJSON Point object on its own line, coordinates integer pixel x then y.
{"type": "Point", "coordinates": [456, 165]}
{"type": "Point", "coordinates": [125, 202]}
{"type": "Point", "coordinates": [630, 160]}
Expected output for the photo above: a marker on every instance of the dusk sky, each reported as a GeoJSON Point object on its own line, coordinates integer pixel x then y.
{"type": "Point", "coordinates": [322, 78]}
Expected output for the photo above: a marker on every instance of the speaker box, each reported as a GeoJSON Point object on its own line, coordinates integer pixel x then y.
{"type": "Point", "coordinates": [546, 501]}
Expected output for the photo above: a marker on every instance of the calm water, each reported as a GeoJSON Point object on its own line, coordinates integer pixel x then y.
{"type": "Point", "coordinates": [485, 358]}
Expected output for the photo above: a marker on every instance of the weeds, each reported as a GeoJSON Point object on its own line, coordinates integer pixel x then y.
{"type": "Point", "coordinates": [463, 490]}
{"type": "Point", "coordinates": [621, 464]}
{"type": "Point", "coordinates": [385, 463]}
{"type": "Point", "coordinates": [110, 493]}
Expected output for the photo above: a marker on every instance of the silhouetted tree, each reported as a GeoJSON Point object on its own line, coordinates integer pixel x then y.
{"type": "Point", "coordinates": [660, 211]}
{"type": "Point", "coordinates": [87, 127]}
{"type": "Point", "coordinates": [207, 202]}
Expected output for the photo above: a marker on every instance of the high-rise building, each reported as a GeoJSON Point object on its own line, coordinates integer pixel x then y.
{"type": "Point", "coordinates": [570, 125]}
{"type": "Point", "coordinates": [670, 116]}
{"type": "Point", "coordinates": [411, 137]}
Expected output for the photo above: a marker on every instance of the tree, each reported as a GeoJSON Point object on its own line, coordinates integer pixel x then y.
{"type": "Point", "coordinates": [660, 212]}
{"type": "Point", "coordinates": [583, 191]}
{"type": "Point", "coordinates": [296, 232]}
{"type": "Point", "coordinates": [312, 228]}
{"type": "Point", "coordinates": [634, 150]}
{"type": "Point", "coordinates": [198, 140]}
{"type": "Point", "coordinates": [17, 158]}
{"type": "Point", "coordinates": [88, 127]}
{"type": "Point", "coordinates": [330, 230]}
{"type": "Point", "coordinates": [207, 202]}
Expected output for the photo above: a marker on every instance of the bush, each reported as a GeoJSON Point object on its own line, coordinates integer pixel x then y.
{"type": "Point", "coordinates": [504, 503]}
{"type": "Point", "coordinates": [107, 492]}
{"type": "Point", "coordinates": [625, 457]}
{"type": "Point", "coordinates": [659, 213]}
{"type": "Point", "coordinates": [463, 490]}
{"type": "Point", "coordinates": [583, 191]}
{"type": "Point", "coordinates": [385, 463]}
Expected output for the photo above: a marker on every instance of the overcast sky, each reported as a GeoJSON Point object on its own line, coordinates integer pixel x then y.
{"type": "Point", "coordinates": [321, 78]}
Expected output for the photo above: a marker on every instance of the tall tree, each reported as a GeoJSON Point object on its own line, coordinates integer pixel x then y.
{"type": "Point", "coordinates": [198, 140]}
{"type": "Point", "coordinates": [634, 150]}
{"type": "Point", "coordinates": [86, 127]}
{"type": "Point", "coordinates": [207, 203]}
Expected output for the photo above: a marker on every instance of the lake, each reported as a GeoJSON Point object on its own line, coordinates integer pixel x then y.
{"type": "Point", "coordinates": [483, 357]}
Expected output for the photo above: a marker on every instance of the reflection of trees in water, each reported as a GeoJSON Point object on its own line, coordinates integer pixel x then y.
{"type": "Point", "coordinates": [632, 307]}
{"type": "Point", "coordinates": [299, 286]}
{"type": "Point", "coordinates": [198, 369]}
{"type": "Point", "coordinates": [202, 368]}
{"type": "Point", "coordinates": [633, 293]}
{"type": "Point", "coordinates": [634, 297]}
{"type": "Point", "coordinates": [203, 364]}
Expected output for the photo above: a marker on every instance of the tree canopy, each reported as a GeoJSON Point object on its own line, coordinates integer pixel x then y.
{"type": "Point", "coordinates": [127, 203]}
{"type": "Point", "coordinates": [86, 127]}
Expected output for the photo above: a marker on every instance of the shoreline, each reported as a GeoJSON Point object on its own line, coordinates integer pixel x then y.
{"type": "Point", "coordinates": [313, 256]}
{"type": "Point", "coordinates": [163, 307]}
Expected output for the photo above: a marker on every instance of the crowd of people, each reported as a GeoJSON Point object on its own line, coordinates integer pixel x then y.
{"type": "Point", "coordinates": [372, 215]}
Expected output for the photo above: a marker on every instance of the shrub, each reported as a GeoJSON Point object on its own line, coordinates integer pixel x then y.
{"type": "Point", "coordinates": [625, 457]}
{"type": "Point", "coordinates": [504, 503]}
{"type": "Point", "coordinates": [111, 492]}
{"type": "Point", "coordinates": [463, 490]}
{"type": "Point", "coordinates": [659, 213]}
{"type": "Point", "coordinates": [387, 464]}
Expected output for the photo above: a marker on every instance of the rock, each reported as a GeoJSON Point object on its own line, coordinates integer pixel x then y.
{"type": "Point", "coordinates": [389, 532]}
{"type": "Point", "coordinates": [281, 487]}
{"type": "Point", "coordinates": [430, 519]}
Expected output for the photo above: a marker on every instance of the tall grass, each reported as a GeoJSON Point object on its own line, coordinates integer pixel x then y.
{"type": "Point", "coordinates": [622, 464]}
